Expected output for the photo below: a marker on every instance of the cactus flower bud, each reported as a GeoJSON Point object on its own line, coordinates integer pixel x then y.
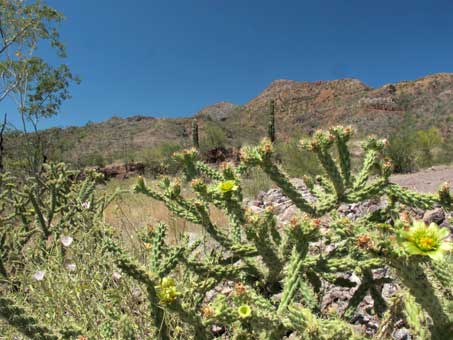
{"type": "Point", "coordinates": [244, 311]}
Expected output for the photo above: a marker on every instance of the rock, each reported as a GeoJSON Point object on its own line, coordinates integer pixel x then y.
{"type": "Point", "coordinates": [288, 214]}
{"type": "Point", "coordinates": [388, 291]}
{"type": "Point", "coordinates": [219, 111]}
{"type": "Point", "coordinates": [402, 334]}
{"type": "Point", "coordinates": [122, 171]}
{"type": "Point", "coordinates": [436, 215]}
{"type": "Point", "coordinates": [292, 336]}
{"type": "Point", "coordinates": [255, 209]}
{"type": "Point", "coordinates": [216, 155]}
{"type": "Point", "coordinates": [445, 224]}
{"type": "Point", "coordinates": [217, 330]}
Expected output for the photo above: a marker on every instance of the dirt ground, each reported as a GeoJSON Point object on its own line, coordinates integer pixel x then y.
{"type": "Point", "coordinates": [427, 180]}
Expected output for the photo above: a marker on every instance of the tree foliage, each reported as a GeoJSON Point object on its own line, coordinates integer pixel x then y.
{"type": "Point", "coordinates": [37, 87]}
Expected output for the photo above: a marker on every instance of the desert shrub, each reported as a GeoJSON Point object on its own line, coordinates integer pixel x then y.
{"type": "Point", "coordinates": [158, 160]}
{"type": "Point", "coordinates": [254, 181]}
{"type": "Point", "coordinates": [445, 155]}
{"type": "Point", "coordinates": [91, 159]}
{"type": "Point", "coordinates": [402, 151]}
{"type": "Point", "coordinates": [297, 162]}
{"type": "Point", "coordinates": [402, 141]}
{"type": "Point", "coordinates": [212, 136]}
{"type": "Point", "coordinates": [427, 141]}
{"type": "Point", "coordinates": [277, 272]}
{"type": "Point", "coordinates": [410, 150]}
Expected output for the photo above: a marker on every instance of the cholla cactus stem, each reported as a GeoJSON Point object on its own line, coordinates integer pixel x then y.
{"type": "Point", "coordinates": [415, 279]}
{"type": "Point", "coordinates": [283, 182]}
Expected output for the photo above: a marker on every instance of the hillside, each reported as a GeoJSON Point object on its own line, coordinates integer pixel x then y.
{"type": "Point", "coordinates": [301, 107]}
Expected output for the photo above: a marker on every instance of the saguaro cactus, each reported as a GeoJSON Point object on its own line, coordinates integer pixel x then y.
{"type": "Point", "coordinates": [195, 139]}
{"type": "Point", "coordinates": [271, 123]}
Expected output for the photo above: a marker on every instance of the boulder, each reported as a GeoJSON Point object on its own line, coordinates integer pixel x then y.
{"type": "Point", "coordinates": [434, 216]}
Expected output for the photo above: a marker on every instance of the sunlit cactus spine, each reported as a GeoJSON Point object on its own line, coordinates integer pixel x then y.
{"type": "Point", "coordinates": [195, 137]}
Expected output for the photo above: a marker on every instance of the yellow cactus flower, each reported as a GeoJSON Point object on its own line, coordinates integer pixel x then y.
{"type": "Point", "coordinates": [227, 186]}
{"type": "Point", "coordinates": [426, 240]}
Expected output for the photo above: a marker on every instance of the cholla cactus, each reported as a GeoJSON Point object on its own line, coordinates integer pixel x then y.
{"type": "Point", "coordinates": [36, 224]}
{"type": "Point", "coordinates": [279, 272]}
{"type": "Point", "coordinates": [277, 261]}
{"type": "Point", "coordinates": [46, 207]}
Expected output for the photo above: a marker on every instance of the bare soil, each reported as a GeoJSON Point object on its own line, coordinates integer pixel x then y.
{"type": "Point", "coordinates": [427, 180]}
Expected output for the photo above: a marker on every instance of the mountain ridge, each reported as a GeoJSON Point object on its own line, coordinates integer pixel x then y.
{"type": "Point", "coordinates": [300, 108]}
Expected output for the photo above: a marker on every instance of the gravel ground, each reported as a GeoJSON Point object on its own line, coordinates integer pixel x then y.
{"type": "Point", "coordinates": [427, 180]}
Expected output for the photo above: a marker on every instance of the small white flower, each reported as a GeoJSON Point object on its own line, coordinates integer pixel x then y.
{"type": "Point", "coordinates": [86, 205]}
{"type": "Point", "coordinates": [71, 267]}
{"type": "Point", "coordinates": [66, 240]}
{"type": "Point", "coordinates": [39, 275]}
{"type": "Point", "coordinates": [116, 276]}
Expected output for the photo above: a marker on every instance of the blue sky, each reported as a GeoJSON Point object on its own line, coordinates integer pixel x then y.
{"type": "Point", "coordinates": [169, 58]}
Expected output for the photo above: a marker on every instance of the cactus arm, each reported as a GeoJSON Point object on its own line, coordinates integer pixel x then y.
{"type": "Point", "coordinates": [136, 271]}
{"type": "Point", "coordinates": [291, 280]}
{"type": "Point", "coordinates": [403, 305]}
{"type": "Point", "coordinates": [174, 207]}
{"type": "Point", "coordinates": [40, 216]}
{"type": "Point", "coordinates": [411, 198]}
{"type": "Point", "coordinates": [176, 255]}
{"type": "Point", "coordinates": [342, 137]}
{"type": "Point", "coordinates": [415, 279]}
{"type": "Point", "coordinates": [260, 231]}
{"type": "Point", "coordinates": [208, 171]}
{"type": "Point", "coordinates": [376, 188]}
{"type": "Point", "coordinates": [313, 328]}
{"type": "Point", "coordinates": [369, 162]}
{"type": "Point", "coordinates": [157, 245]}
{"type": "Point", "coordinates": [279, 178]}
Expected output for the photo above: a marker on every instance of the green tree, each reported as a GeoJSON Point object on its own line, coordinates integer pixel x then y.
{"type": "Point", "coordinates": [297, 162]}
{"type": "Point", "coordinates": [37, 88]}
{"type": "Point", "coordinates": [158, 160]}
{"type": "Point", "coordinates": [214, 137]}
{"type": "Point", "coordinates": [427, 141]}
{"type": "Point", "coordinates": [402, 145]}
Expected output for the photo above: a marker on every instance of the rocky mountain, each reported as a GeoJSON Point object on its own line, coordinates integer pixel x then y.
{"type": "Point", "coordinates": [219, 111]}
{"type": "Point", "coordinates": [307, 106]}
{"type": "Point", "coordinates": [301, 107]}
